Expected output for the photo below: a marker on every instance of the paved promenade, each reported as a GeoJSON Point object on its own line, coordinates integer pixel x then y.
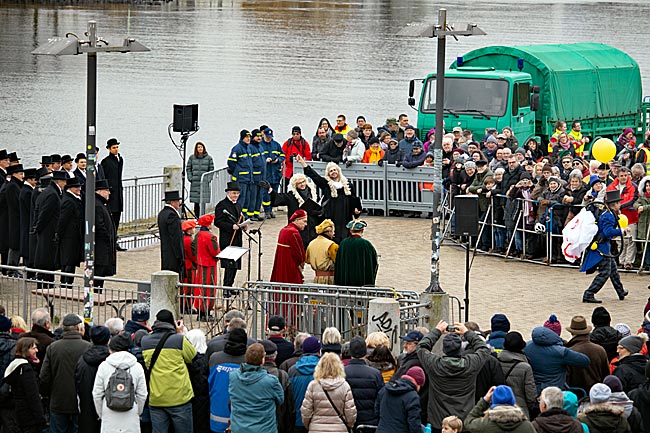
{"type": "Point", "coordinates": [526, 292]}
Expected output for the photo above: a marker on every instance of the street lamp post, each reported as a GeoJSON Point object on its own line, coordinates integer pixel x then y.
{"type": "Point", "coordinates": [73, 45]}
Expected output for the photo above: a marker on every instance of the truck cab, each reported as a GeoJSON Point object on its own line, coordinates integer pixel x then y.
{"type": "Point", "coordinates": [478, 98]}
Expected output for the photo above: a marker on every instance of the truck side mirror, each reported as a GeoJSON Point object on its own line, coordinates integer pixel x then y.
{"type": "Point", "coordinates": [534, 102]}
{"type": "Point", "coordinates": [411, 102]}
{"type": "Point", "coordinates": [411, 90]}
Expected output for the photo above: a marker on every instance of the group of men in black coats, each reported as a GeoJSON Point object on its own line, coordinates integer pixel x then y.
{"type": "Point", "coordinates": [42, 213]}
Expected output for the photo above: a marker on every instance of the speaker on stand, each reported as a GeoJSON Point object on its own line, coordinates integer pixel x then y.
{"type": "Point", "coordinates": [467, 224]}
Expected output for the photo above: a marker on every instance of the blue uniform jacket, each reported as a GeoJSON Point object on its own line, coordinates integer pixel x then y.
{"type": "Point", "coordinates": [257, 160]}
{"type": "Point", "coordinates": [273, 150]}
{"type": "Point", "coordinates": [606, 230]}
{"type": "Point", "coordinates": [240, 164]}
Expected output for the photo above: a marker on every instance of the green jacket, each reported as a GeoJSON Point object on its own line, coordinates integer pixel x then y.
{"type": "Point", "coordinates": [501, 419]}
{"type": "Point", "coordinates": [169, 382]}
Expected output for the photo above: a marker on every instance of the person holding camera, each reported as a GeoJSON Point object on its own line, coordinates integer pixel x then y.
{"type": "Point", "coordinates": [452, 376]}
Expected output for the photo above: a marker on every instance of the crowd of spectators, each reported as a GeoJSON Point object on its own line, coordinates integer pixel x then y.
{"type": "Point", "coordinates": [452, 378]}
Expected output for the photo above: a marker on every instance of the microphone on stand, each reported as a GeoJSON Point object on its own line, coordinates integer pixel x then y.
{"type": "Point", "coordinates": [231, 216]}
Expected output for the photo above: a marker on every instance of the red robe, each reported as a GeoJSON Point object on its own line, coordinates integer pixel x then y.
{"type": "Point", "coordinates": [287, 268]}
{"type": "Point", "coordinates": [207, 248]}
{"type": "Point", "coordinates": [189, 254]}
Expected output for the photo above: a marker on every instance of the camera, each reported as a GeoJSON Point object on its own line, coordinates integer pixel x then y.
{"type": "Point", "coordinates": [451, 328]}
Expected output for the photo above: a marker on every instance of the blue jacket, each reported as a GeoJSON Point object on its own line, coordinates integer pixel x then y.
{"type": "Point", "coordinates": [496, 339]}
{"type": "Point", "coordinates": [407, 145]}
{"type": "Point", "coordinates": [273, 150]}
{"type": "Point", "coordinates": [221, 364]}
{"type": "Point", "coordinates": [398, 406]}
{"type": "Point", "coordinates": [606, 230]}
{"type": "Point", "coordinates": [253, 396]}
{"type": "Point", "coordinates": [365, 382]}
{"type": "Point", "coordinates": [258, 161]}
{"type": "Point", "coordinates": [300, 375]}
{"type": "Point", "coordinates": [240, 164]}
{"type": "Point", "coordinates": [412, 160]}
{"type": "Point", "coordinates": [549, 359]}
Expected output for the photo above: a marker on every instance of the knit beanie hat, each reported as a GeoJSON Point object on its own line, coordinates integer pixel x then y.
{"type": "Point", "coordinates": [451, 344]}
{"type": "Point", "coordinates": [311, 345]}
{"type": "Point", "coordinates": [417, 374]}
{"type": "Point", "coordinates": [470, 164]}
{"type": "Point", "coordinates": [570, 403]}
{"type": "Point", "coordinates": [614, 383]}
{"type": "Point", "coordinates": [236, 344]}
{"type": "Point", "coordinates": [358, 348]}
{"type": "Point", "coordinates": [499, 322]}
{"type": "Point", "coordinates": [553, 324]}
{"type": "Point", "coordinates": [599, 393]}
{"type": "Point", "coordinates": [100, 335]}
{"type": "Point", "coordinates": [632, 343]}
{"type": "Point", "coordinates": [514, 342]}
{"type": "Point", "coordinates": [601, 317]}
{"type": "Point", "coordinates": [623, 328]}
{"type": "Point", "coordinates": [140, 312]}
{"type": "Point", "coordinates": [5, 324]}
{"type": "Point", "coordinates": [120, 342]}
{"type": "Point", "coordinates": [243, 133]}
{"type": "Point", "coordinates": [503, 395]}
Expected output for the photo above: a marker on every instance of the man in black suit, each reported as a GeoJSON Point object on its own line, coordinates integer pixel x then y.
{"type": "Point", "coordinates": [47, 211]}
{"type": "Point", "coordinates": [229, 232]}
{"type": "Point", "coordinates": [25, 200]}
{"type": "Point", "coordinates": [171, 234]}
{"type": "Point", "coordinates": [113, 165]}
{"type": "Point", "coordinates": [70, 229]}
{"type": "Point", "coordinates": [105, 236]}
{"type": "Point", "coordinates": [4, 215]}
{"type": "Point", "coordinates": [43, 178]}
{"type": "Point", "coordinates": [80, 171]}
{"type": "Point", "coordinates": [12, 198]}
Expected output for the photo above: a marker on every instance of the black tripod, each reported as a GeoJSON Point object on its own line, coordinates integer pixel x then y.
{"type": "Point", "coordinates": [258, 232]}
{"type": "Point", "coordinates": [182, 150]}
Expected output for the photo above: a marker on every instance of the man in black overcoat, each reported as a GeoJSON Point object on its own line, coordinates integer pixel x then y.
{"type": "Point", "coordinates": [12, 197]}
{"type": "Point", "coordinates": [43, 178]}
{"type": "Point", "coordinates": [4, 223]}
{"type": "Point", "coordinates": [229, 232]}
{"type": "Point", "coordinates": [105, 236]}
{"type": "Point", "coordinates": [25, 200]}
{"type": "Point", "coordinates": [171, 234]}
{"type": "Point", "coordinates": [70, 229]}
{"type": "Point", "coordinates": [113, 165]}
{"type": "Point", "coordinates": [47, 211]}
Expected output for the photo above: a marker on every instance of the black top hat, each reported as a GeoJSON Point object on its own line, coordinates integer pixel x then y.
{"type": "Point", "coordinates": [66, 158]}
{"type": "Point", "coordinates": [3, 154]}
{"type": "Point", "coordinates": [233, 186]}
{"type": "Point", "coordinates": [111, 142]}
{"type": "Point", "coordinates": [80, 156]}
{"type": "Point", "coordinates": [55, 157]}
{"type": "Point", "coordinates": [46, 159]}
{"type": "Point", "coordinates": [31, 173]}
{"type": "Point", "coordinates": [59, 175]}
{"type": "Point", "coordinates": [613, 196]}
{"type": "Point", "coordinates": [72, 182]}
{"type": "Point", "coordinates": [171, 196]}
{"type": "Point", "coordinates": [102, 184]}
{"type": "Point", "coordinates": [13, 157]}
{"type": "Point", "coordinates": [44, 181]}
{"type": "Point", "coordinates": [42, 172]}
{"type": "Point", "coordinates": [17, 168]}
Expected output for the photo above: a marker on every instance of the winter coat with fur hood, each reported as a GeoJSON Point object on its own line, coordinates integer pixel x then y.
{"type": "Point", "coordinates": [502, 418]}
{"type": "Point", "coordinates": [605, 418]}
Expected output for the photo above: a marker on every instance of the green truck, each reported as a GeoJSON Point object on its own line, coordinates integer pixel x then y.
{"type": "Point", "coordinates": [529, 88]}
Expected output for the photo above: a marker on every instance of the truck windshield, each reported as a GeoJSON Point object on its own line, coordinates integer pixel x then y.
{"type": "Point", "coordinates": [468, 95]}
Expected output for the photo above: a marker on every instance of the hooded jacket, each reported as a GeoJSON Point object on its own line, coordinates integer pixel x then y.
{"type": "Point", "coordinates": [221, 364]}
{"type": "Point", "coordinates": [254, 393]}
{"type": "Point", "coordinates": [114, 421]}
{"type": "Point", "coordinates": [28, 409]}
{"type": "Point", "coordinates": [605, 418]}
{"type": "Point", "coordinates": [405, 362]}
{"type": "Point", "coordinates": [501, 419]}
{"type": "Point", "coordinates": [398, 408]}
{"type": "Point", "coordinates": [520, 378]}
{"type": "Point", "coordinates": [631, 371]}
{"type": "Point", "coordinates": [557, 421]}
{"type": "Point", "coordinates": [549, 358]}
{"type": "Point", "coordinates": [300, 375]}
{"type": "Point", "coordinates": [317, 413]}
{"type": "Point", "coordinates": [630, 412]}
{"type": "Point", "coordinates": [85, 381]}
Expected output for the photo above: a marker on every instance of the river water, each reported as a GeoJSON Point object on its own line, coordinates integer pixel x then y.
{"type": "Point", "coordinates": [246, 63]}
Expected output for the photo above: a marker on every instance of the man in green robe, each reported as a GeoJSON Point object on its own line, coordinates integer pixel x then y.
{"type": "Point", "coordinates": [356, 260]}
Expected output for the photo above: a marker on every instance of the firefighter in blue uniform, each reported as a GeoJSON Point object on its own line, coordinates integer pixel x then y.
{"type": "Point", "coordinates": [240, 167]}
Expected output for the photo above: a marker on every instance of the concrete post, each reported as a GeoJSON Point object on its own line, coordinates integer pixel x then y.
{"type": "Point", "coordinates": [383, 315]}
{"type": "Point", "coordinates": [439, 307]}
{"type": "Point", "coordinates": [173, 177]}
{"type": "Point", "coordinates": [164, 293]}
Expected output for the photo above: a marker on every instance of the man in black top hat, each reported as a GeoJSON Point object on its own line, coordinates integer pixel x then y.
{"type": "Point", "coordinates": [105, 235]}
{"type": "Point", "coordinates": [600, 258]}
{"type": "Point", "coordinates": [227, 214]}
{"type": "Point", "coordinates": [12, 197]}
{"type": "Point", "coordinates": [25, 203]}
{"type": "Point", "coordinates": [113, 165]}
{"type": "Point", "coordinates": [46, 162]}
{"type": "Point", "coordinates": [70, 229]}
{"type": "Point", "coordinates": [66, 165]}
{"type": "Point", "coordinates": [4, 223]}
{"type": "Point", "coordinates": [47, 211]}
{"type": "Point", "coordinates": [43, 178]}
{"type": "Point", "coordinates": [56, 161]}
{"type": "Point", "coordinates": [171, 234]}
{"type": "Point", "coordinates": [80, 171]}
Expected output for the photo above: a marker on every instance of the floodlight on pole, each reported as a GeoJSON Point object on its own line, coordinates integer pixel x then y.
{"type": "Point", "coordinates": [71, 44]}
{"type": "Point", "coordinates": [439, 31]}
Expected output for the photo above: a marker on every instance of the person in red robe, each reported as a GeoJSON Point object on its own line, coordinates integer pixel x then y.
{"type": "Point", "coordinates": [189, 254]}
{"type": "Point", "coordinates": [288, 264]}
{"type": "Point", "coordinates": [207, 248]}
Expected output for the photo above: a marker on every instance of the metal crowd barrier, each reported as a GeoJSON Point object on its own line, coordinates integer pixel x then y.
{"type": "Point", "coordinates": [142, 202]}
{"type": "Point", "coordinates": [25, 291]}
{"type": "Point", "coordinates": [213, 185]}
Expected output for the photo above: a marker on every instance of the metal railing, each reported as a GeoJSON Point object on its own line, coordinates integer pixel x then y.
{"type": "Point", "coordinates": [26, 291]}
{"type": "Point", "coordinates": [213, 184]}
{"type": "Point", "coordinates": [142, 202]}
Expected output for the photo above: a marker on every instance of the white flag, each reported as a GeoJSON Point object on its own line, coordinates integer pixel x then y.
{"type": "Point", "coordinates": [578, 234]}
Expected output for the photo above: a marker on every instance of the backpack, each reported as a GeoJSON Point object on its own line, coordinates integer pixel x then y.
{"type": "Point", "coordinates": [120, 394]}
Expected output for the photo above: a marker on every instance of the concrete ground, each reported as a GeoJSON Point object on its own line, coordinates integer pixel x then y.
{"type": "Point", "coordinates": [527, 293]}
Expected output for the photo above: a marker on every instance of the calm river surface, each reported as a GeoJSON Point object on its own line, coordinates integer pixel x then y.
{"type": "Point", "coordinates": [245, 63]}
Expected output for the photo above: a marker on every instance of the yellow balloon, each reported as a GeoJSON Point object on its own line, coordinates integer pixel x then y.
{"type": "Point", "coordinates": [622, 221]}
{"type": "Point", "coordinates": [604, 150]}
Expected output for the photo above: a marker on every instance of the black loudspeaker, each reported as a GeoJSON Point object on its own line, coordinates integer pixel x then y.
{"type": "Point", "coordinates": [466, 215]}
{"type": "Point", "coordinates": [186, 118]}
